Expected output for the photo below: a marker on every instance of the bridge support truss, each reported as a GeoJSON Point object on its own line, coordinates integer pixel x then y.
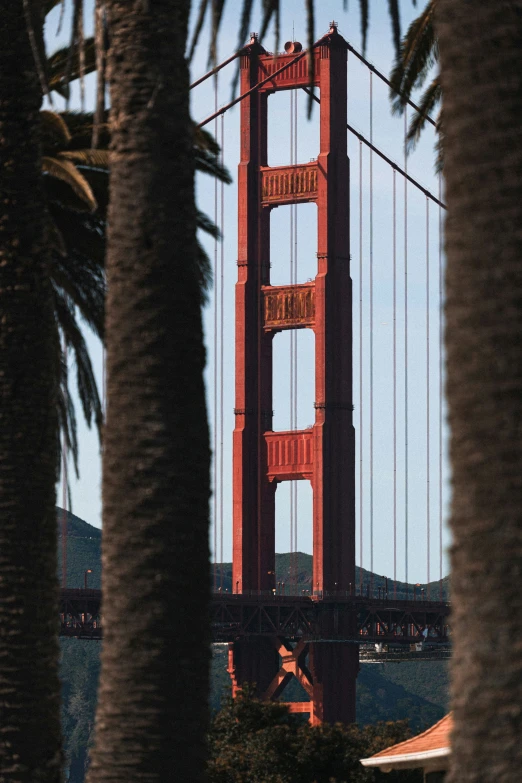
{"type": "Point", "coordinates": [325, 453]}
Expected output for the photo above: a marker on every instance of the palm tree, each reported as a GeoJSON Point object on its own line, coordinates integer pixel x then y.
{"type": "Point", "coordinates": [482, 84]}
{"type": "Point", "coordinates": [152, 710]}
{"type": "Point", "coordinates": [30, 745]}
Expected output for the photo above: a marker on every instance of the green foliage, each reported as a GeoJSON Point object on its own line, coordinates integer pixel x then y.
{"type": "Point", "coordinates": [380, 698]}
{"type": "Point", "coordinates": [79, 671]}
{"type": "Point", "coordinates": [252, 741]}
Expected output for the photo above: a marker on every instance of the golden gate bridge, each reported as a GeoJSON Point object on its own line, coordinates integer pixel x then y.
{"type": "Point", "coordinates": [278, 633]}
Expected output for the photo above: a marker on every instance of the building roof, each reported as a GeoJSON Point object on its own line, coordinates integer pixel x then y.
{"type": "Point", "coordinates": [429, 749]}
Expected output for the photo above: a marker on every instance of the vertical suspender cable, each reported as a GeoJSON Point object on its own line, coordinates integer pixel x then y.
{"type": "Point", "coordinates": [405, 351]}
{"type": "Point", "coordinates": [292, 425]}
{"type": "Point", "coordinates": [371, 333]}
{"type": "Point", "coordinates": [394, 384]}
{"type": "Point", "coordinates": [294, 332]}
{"type": "Point", "coordinates": [360, 371]}
{"type": "Point", "coordinates": [221, 351]}
{"type": "Point", "coordinates": [440, 388]}
{"type": "Point", "coordinates": [259, 304]}
{"type": "Point", "coordinates": [428, 520]}
{"type": "Point", "coordinates": [64, 472]}
{"type": "Point", "coordinates": [215, 346]}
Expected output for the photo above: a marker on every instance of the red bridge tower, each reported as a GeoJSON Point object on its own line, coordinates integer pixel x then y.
{"type": "Point", "coordinates": [324, 454]}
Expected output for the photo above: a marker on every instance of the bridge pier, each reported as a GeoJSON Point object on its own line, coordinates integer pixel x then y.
{"type": "Point", "coordinates": [327, 672]}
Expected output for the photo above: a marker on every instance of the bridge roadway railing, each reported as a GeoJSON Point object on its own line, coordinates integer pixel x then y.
{"type": "Point", "coordinates": [335, 617]}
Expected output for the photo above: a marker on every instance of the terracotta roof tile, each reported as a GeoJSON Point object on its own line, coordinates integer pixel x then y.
{"type": "Point", "coordinates": [435, 738]}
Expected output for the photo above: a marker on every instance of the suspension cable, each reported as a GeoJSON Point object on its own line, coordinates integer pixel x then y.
{"type": "Point", "coordinates": [64, 470]}
{"type": "Point", "coordinates": [221, 353]}
{"type": "Point", "coordinates": [428, 519]}
{"type": "Point", "coordinates": [441, 328]}
{"type": "Point", "coordinates": [256, 87]}
{"type": "Point", "coordinates": [214, 70]}
{"type": "Point", "coordinates": [361, 451]}
{"type": "Point", "coordinates": [388, 160]}
{"type": "Point", "coordinates": [292, 425]}
{"type": "Point", "coordinates": [383, 78]}
{"type": "Point", "coordinates": [394, 384]}
{"type": "Point", "coordinates": [216, 361]}
{"type": "Point", "coordinates": [371, 334]}
{"type": "Point", "coordinates": [294, 332]}
{"type": "Point", "coordinates": [405, 351]}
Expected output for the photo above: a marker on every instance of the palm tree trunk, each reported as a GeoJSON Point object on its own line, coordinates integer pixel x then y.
{"type": "Point", "coordinates": [152, 710]}
{"type": "Point", "coordinates": [481, 69]}
{"type": "Point", "coordinates": [29, 688]}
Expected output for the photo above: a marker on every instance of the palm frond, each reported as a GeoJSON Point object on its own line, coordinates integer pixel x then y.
{"type": "Point", "coordinates": [98, 179]}
{"type": "Point", "coordinates": [84, 235]}
{"type": "Point", "coordinates": [197, 29]}
{"type": "Point", "coordinates": [204, 140]}
{"type": "Point", "coordinates": [34, 19]}
{"type": "Point", "coordinates": [417, 55]}
{"type": "Point", "coordinates": [66, 171]}
{"type": "Point", "coordinates": [81, 126]}
{"type": "Point", "coordinates": [365, 20]}
{"type": "Point", "coordinates": [76, 43]}
{"type": "Point", "coordinates": [393, 8]}
{"type": "Point", "coordinates": [207, 225]}
{"type": "Point", "coordinates": [244, 26]}
{"type": "Point", "coordinates": [67, 424]}
{"type": "Point", "coordinates": [90, 157]}
{"type": "Point", "coordinates": [58, 191]}
{"type": "Point", "coordinates": [57, 65]}
{"type": "Point", "coordinates": [54, 239]}
{"type": "Point", "coordinates": [86, 381]}
{"type": "Point", "coordinates": [55, 132]}
{"type": "Point", "coordinates": [271, 10]}
{"type": "Point", "coordinates": [90, 303]}
{"type": "Point", "coordinates": [80, 272]}
{"type": "Point", "coordinates": [428, 102]}
{"type": "Point", "coordinates": [207, 163]}
{"type": "Point", "coordinates": [217, 16]}
{"type": "Point", "coordinates": [204, 271]}
{"type": "Point", "coordinates": [439, 145]}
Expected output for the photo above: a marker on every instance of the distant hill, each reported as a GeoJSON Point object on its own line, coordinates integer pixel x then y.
{"type": "Point", "coordinates": [83, 551]}
{"type": "Point", "coordinates": [304, 578]}
{"type": "Point", "coordinates": [414, 690]}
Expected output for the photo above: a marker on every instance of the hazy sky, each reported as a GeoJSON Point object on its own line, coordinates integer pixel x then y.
{"type": "Point", "coordinates": [387, 136]}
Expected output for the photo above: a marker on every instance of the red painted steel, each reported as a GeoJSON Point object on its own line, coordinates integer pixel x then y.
{"type": "Point", "coordinates": [289, 306]}
{"type": "Point", "coordinates": [325, 454]}
{"type": "Point", "coordinates": [289, 455]}
{"type": "Point", "coordinates": [289, 184]}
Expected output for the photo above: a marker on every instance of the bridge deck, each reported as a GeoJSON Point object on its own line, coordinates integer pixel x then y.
{"type": "Point", "coordinates": [354, 619]}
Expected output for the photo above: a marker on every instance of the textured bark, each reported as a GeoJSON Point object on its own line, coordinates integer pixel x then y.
{"type": "Point", "coordinates": [152, 711]}
{"type": "Point", "coordinates": [481, 68]}
{"type": "Point", "coordinates": [29, 687]}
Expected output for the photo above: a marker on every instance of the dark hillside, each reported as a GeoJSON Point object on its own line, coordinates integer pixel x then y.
{"type": "Point", "coordinates": [223, 574]}
{"type": "Point", "coordinates": [83, 551]}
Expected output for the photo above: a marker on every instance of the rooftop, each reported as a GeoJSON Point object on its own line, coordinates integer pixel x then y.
{"type": "Point", "coordinates": [428, 749]}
